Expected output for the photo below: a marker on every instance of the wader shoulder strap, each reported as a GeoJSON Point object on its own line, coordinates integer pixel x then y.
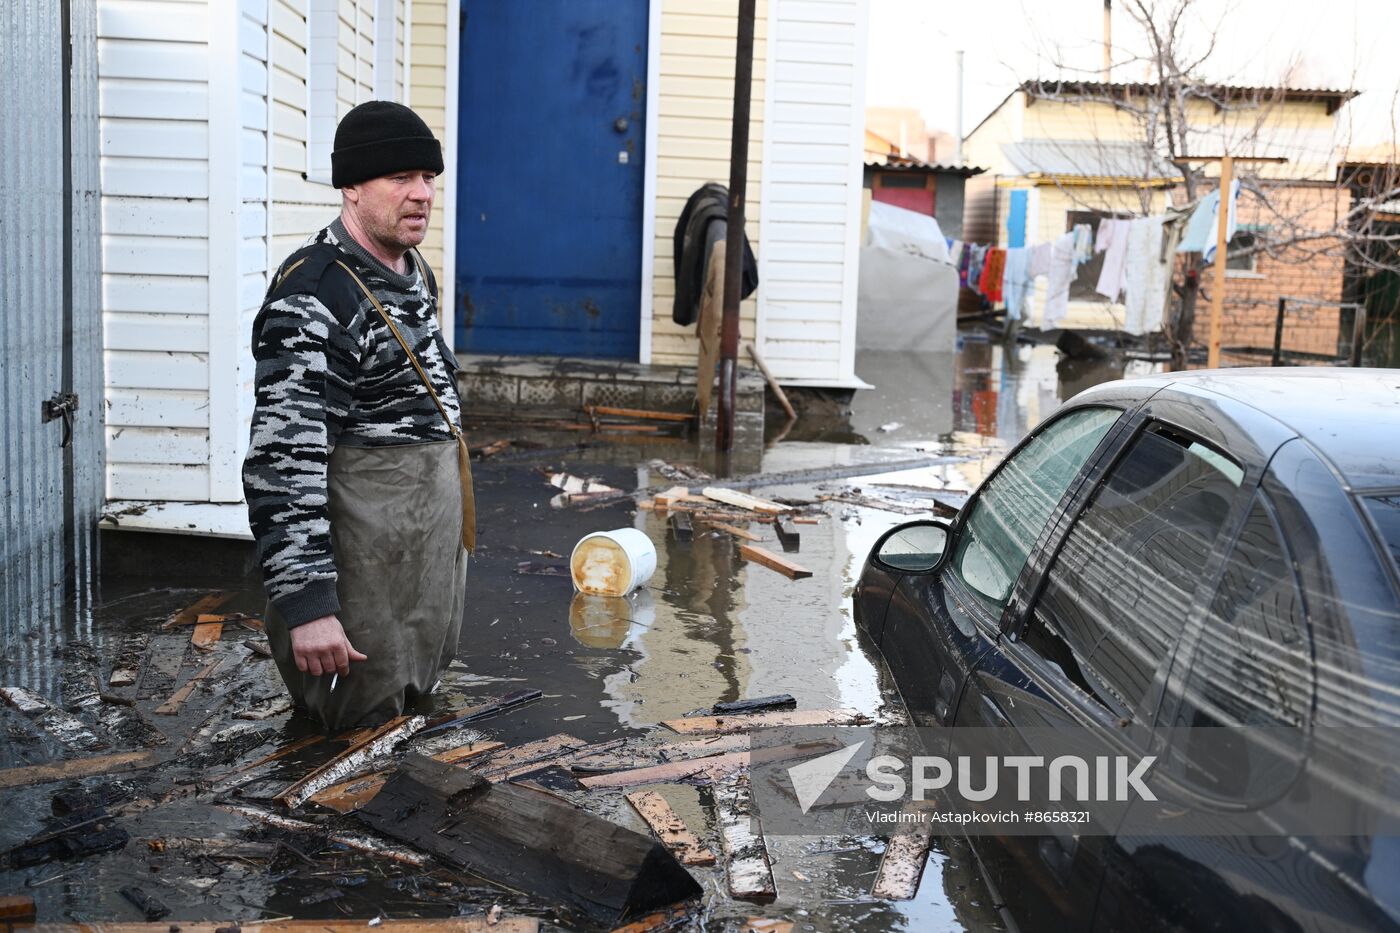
{"type": "Point", "coordinates": [464, 468]}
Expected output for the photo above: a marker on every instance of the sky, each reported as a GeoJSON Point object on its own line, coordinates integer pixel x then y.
{"type": "Point", "coordinates": [912, 45]}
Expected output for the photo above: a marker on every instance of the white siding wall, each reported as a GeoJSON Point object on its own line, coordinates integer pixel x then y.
{"type": "Point", "coordinates": [153, 70]}
{"type": "Point", "coordinates": [812, 155]}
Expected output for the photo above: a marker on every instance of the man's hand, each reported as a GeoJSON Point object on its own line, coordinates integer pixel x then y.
{"type": "Point", "coordinates": [320, 647]}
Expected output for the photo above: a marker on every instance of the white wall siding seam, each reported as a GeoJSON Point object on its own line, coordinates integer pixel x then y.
{"type": "Point", "coordinates": [855, 183]}
{"type": "Point", "coordinates": [760, 325]}
{"type": "Point", "coordinates": [407, 38]}
{"type": "Point", "coordinates": [224, 249]}
{"type": "Point", "coordinates": [649, 161]}
{"type": "Point", "coordinates": [447, 275]}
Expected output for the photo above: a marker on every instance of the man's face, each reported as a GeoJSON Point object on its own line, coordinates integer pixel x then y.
{"type": "Point", "coordinates": [395, 209]}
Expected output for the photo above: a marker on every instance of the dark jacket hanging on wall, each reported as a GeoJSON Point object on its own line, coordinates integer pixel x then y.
{"type": "Point", "coordinates": [702, 224]}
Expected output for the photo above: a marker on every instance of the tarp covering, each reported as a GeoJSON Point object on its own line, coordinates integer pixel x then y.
{"type": "Point", "coordinates": [908, 292]}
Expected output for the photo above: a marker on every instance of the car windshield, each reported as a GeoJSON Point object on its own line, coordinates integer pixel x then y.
{"type": "Point", "coordinates": [1385, 512]}
{"type": "Point", "coordinates": [1014, 506]}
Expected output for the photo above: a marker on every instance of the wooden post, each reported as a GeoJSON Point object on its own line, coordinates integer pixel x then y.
{"type": "Point", "coordinates": [1358, 334]}
{"type": "Point", "coordinates": [1277, 358]}
{"type": "Point", "coordinates": [734, 242]}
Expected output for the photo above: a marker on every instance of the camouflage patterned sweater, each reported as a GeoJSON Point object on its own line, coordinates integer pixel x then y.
{"type": "Point", "coordinates": [329, 372]}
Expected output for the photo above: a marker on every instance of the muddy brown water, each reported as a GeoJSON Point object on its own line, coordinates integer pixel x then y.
{"type": "Point", "coordinates": [707, 628]}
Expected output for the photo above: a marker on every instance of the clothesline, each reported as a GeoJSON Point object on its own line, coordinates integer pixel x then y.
{"type": "Point", "coordinates": [1138, 259]}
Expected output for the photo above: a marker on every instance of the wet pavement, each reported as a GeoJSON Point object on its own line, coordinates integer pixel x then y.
{"type": "Point", "coordinates": [708, 628]}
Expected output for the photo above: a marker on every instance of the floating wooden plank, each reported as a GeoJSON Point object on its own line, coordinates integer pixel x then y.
{"type": "Point", "coordinates": [719, 725]}
{"type": "Point", "coordinates": [743, 500]}
{"type": "Point", "coordinates": [171, 707]}
{"type": "Point", "coordinates": [450, 925]}
{"type": "Point", "coordinates": [755, 705]}
{"type": "Point", "coordinates": [747, 868]}
{"type": "Point", "coordinates": [736, 532]}
{"type": "Point", "coordinates": [128, 663]}
{"type": "Point", "coordinates": [654, 923]}
{"type": "Point", "coordinates": [67, 729]}
{"type": "Point", "coordinates": [367, 844]}
{"type": "Point", "coordinates": [709, 768]}
{"type": "Point", "coordinates": [350, 795]}
{"type": "Point", "coordinates": [260, 648]}
{"type": "Point", "coordinates": [353, 759]}
{"type": "Point", "coordinates": [602, 411]}
{"type": "Point", "coordinates": [681, 527]}
{"type": "Point", "coordinates": [77, 768]}
{"type": "Point", "coordinates": [516, 837]}
{"type": "Point", "coordinates": [207, 632]}
{"type": "Point", "coordinates": [481, 711]}
{"type": "Point", "coordinates": [160, 668]}
{"type": "Point", "coordinates": [788, 535]}
{"type": "Point", "coordinates": [670, 828]}
{"type": "Point", "coordinates": [593, 760]}
{"type": "Point", "coordinates": [191, 613]}
{"type": "Point", "coordinates": [773, 562]}
{"type": "Point", "coordinates": [511, 761]}
{"type": "Point", "coordinates": [902, 866]}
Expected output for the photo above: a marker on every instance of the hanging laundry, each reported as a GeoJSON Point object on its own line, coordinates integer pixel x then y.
{"type": "Point", "coordinates": [1015, 287]}
{"type": "Point", "coordinates": [1062, 269]}
{"type": "Point", "coordinates": [1113, 243]}
{"type": "Point", "coordinates": [1158, 291]}
{"type": "Point", "coordinates": [963, 259]}
{"type": "Point", "coordinates": [1151, 259]}
{"type": "Point", "coordinates": [992, 273]}
{"type": "Point", "coordinates": [1203, 227]}
{"type": "Point", "coordinates": [974, 267]}
{"type": "Point", "coordinates": [1083, 243]}
{"type": "Point", "coordinates": [1039, 263]}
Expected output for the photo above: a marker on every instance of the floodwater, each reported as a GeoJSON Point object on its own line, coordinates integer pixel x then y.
{"type": "Point", "coordinates": [708, 628]}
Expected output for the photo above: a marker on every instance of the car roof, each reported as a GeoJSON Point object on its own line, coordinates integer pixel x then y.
{"type": "Point", "coordinates": [1350, 416]}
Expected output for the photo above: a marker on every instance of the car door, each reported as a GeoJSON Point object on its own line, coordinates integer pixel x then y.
{"type": "Point", "coordinates": [939, 622]}
{"type": "Point", "coordinates": [1092, 649]}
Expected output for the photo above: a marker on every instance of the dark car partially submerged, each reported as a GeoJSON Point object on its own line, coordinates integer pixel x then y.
{"type": "Point", "coordinates": [1203, 549]}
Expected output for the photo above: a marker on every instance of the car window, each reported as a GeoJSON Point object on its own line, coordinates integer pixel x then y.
{"type": "Point", "coordinates": [1010, 511]}
{"type": "Point", "coordinates": [1251, 667]}
{"type": "Point", "coordinates": [1117, 595]}
{"type": "Point", "coordinates": [1385, 512]}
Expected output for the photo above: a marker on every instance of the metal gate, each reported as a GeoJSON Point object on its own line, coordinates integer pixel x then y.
{"type": "Point", "coordinates": [51, 472]}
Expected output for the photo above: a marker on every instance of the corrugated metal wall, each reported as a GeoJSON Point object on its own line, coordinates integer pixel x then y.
{"type": "Point", "coordinates": [49, 326]}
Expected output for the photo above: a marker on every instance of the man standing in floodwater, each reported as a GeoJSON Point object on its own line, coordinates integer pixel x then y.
{"type": "Point", "coordinates": [357, 477]}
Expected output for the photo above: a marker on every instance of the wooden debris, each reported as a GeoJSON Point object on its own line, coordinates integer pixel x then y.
{"type": "Point", "coordinates": [275, 706]}
{"type": "Point", "coordinates": [207, 632]}
{"type": "Point", "coordinates": [77, 768]}
{"type": "Point", "coordinates": [126, 726]}
{"type": "Point", "coordinates": [171, 707]}
{"type": "Point", "coordinates": [191, 613]}
{"type": "Point", "coordinates": [67, 729]}
{"type": "Point", "coordinates": [485, 451]}
{"type": "Point", "coordinates": [681, 527]}
{"type": "Point", "coordinates": [573, 485]}
{"type": "Point", "coordinates": [746, 854]}
{"type": "Point", "coordinates": [709, 768]}
{"type": "Point", "coordinates": [512, 836]}
{"type": "Point", "coordinates": [353, 759]}
{"type": "Point", "coordinates": [675, 494]}
{"type": "Point", "coordinates": [670, 828]}
{"type": "Point", "coordinates": [872, 502]}
{"type": "Point", "coordinates": [290, 748]}
{"type": "Point", "coordinates": [720, 725]}
{"type": "Point", "coordinates": [359, 843]}
{"type": "Point", "coordinates": [149, 906]}
{"type": "Point", "coordinates": [743, 500]}
{"type": "Point", "coordinates": [767, 924]}
{"type": "Point", "coordinates": [67, 838]}
{"type": "Point", "coordinates": [806, 520]}
{"type": "Point", "coordinates": [16, 910]}
{"type": "Point", "coordinates": [602, 411]}
{"type": "Point", "coordinates": [128, 662]}
{"type": "Point", "coordinates": [773, 386]}
{"type": "Point", "coordinates": [355, 793]}
{"type": "Point", "coordinates": [414, 925]}
{"type": "Point", "coordinates": [655, 923]}
{"type": "Point", "coordinates": [772, 561]}
{"type": "Point", "coordinates": [481, 711]}
{"type": "Point", "coordinates": [902, 866]}
{"type": "Point", "coordinates": [160, 667]}
{"type": "Point", "coordinates": [463, 752]}
{"type": "Point", "coordinates": [592, 760]}
{"type": "Point", "coordinates": [756, 705]}
{"type": "Point", "coordinates": [736, 532]}
{"type": "Point", "coordinates": [788, 535]}
{"type": "Point", "coordinates": [531, 757]}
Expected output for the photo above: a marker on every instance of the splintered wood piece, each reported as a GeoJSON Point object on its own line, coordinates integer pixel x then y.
{"type": "Point", "coordinates": [530, 842]}
{"type": "Point", "coordinates": [481, 924]}
{"type": "Point", "coordinates": [77, 768]}
{"type": "Point", "coordinates": [353, 759]}
{"type": "Point", "coordinates": [788, 535]}
{"type": "Point", "coordinates": [766, 925]}
{"type": "Point", "coordinates": [594, 759]}
{"type": "Point", "coordinates": [746, 866]}
{"type": "Point", "coordinates": [160, 667]}
{"type": "Point", "coordinates": [128, 663]}
{"type": "Point", "coordinates": [260, 648]}
{"type": "Point", "coordinates": [681, 526]}
{"type": "Point", "coordinates": [710, 768]}
{"type": "Point", "coordinates": [655, 923]}
{"type": "Point", "coordinates": [720, 725]}
{"type": "Point", "coordinates": [355, 793]}
{"type": "Point", "coordinates": [359, 843]}
{"type": "Point", "coordinates": [743, 500]}
{"type": "Point", "coordinates": [736, 532]}
{"type": "Point", "coordinates": [670, 828]}
{"type": "Point", "coordinates": [207, 632]}
{"type": "Point", "coordinates": [191, 613]}
{"type": "Point", "coordinates": [902, 866]}
{"type": "Point", "coordinates": [67, 729]}
{"type": "Point", "coordinates": [806, 520]}
{"type": "Point", "coordinates": [602, 411]}
{"type": "Point", "coordinates": [481, 711]}
{"type": "Point", "coordinates": [773, 562]}
{"type": "Point", "coordinates": [275, 706]}
{"type": "Point", "coordinates": [16, 909]}
{"type": "Point", "coordinates": [508, 762]}
{"type": "Point", "coordinates": [675, 494]}
{"type": "Point", "coordinates": [171, 707]}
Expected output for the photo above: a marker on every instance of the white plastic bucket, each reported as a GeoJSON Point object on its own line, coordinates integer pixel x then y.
{"type": "Point", "coordinates": [612, 563]}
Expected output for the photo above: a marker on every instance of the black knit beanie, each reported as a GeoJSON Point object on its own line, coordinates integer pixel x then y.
{"type": "Point", "coordinates": [380, 137]}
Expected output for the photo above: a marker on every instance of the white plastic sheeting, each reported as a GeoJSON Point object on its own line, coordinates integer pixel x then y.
{"type": "Point", "coordinates": [908, 295]}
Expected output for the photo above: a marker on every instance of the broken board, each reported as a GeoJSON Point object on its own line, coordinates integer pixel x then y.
{"type": "Point", "coordinates": [773, 562]}
{"type": "Point", "coordinates": [207, 632]}
{"type": "Point", "coordinates": [711, 767]}
{"type": "Point", "coordinates": [67, 729]}
{"type": "Point", "coordinates": [736, 532]}
{"type": "Point", "coordinates": [746, 865]}
{"type": "Point", "coordinates": [379, 743]}
{"type": "Point", "coordinates": [358, 791]}
{"type": "Point", "coordinates": [902, 866]}
{"type": "Point", "coordinates": [191, 613]}
{"type": "Point", "coordinates": [670, 828]}
{"type": "Point", "coordinates": [743, 500]}
{"type": "Point", "coordinates": [77, 768]}
{"type": "Point", "coordinates": [529, 842]}
{"type": "Point", "coordinates": [720, 725]}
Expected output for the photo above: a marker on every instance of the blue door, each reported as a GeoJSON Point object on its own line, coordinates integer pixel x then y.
{"type": "Point", "coordinates": [549, 200]}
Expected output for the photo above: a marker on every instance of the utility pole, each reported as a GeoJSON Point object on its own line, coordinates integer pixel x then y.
{"type": "Point", "coordinates": [734, 234]}
{"type": "Point", "coordinates": [1107, 41]}
{"type": "Point", "coordinates": [1222, 236]}
{"type": "Point", "coordinates": [958, 130]}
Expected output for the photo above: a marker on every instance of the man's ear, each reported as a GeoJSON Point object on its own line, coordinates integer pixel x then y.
{"type": "Point", "coordinates": [351, 193]}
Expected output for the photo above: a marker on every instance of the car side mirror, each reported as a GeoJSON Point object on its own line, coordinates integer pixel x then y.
{"type": "Point", "coordinates": [914, 548]}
